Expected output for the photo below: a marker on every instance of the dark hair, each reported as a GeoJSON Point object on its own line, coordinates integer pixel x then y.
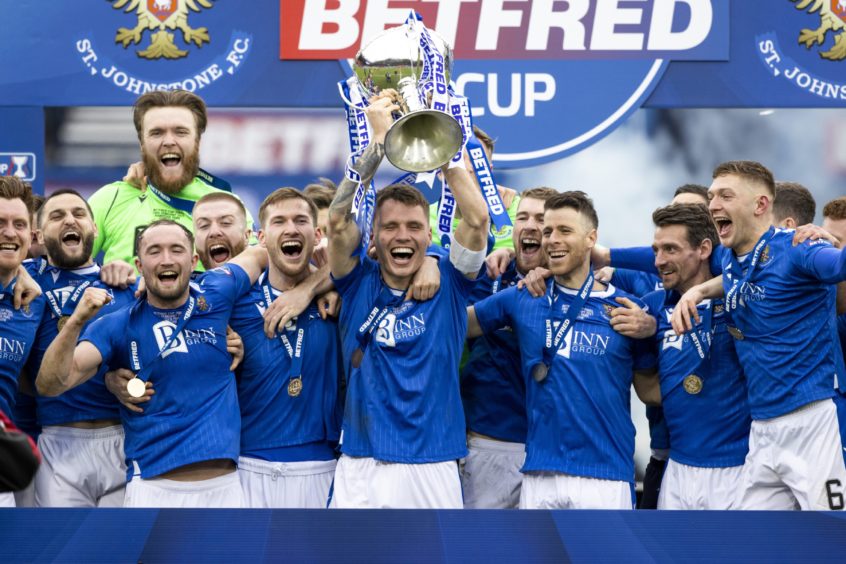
{"type": "Point", "coordinates": [577, 200]}
{"type": "Point", "coordinates": [698, 189]}
{"type": "Point", "coordinates": [282, 194]}
{"type": "Point", "coordinates": [13, 188]}
{"type": "Point", "coordinates": [169, 98]}
{"type": "Point", "coordinates": [541, 193]}
{"type": "Point", "coordinates": [321, 193]}
{"type": "Point", "coordinates": [65, 191]}
{"type": "Point", "coordinates": [159, 223]}
{"type": "Point", "coordinates": [793, 200]}
{"type": "Point", "coordinates": [221, 196]}
{"type": "Point", "coordinates": [484, 139]}
{"type": "Point", "coordinates": [37, 202]}
{"type": "Point", "coordinates": [403, 194]}
{"type": "Point", "coordinates": [695, 217]}
{"type": "Point", "coordinates": [749, 170]}
{"type": "Point", "coordinates": [835, 209]}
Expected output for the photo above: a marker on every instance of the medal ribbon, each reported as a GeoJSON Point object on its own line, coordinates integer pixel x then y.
{"type": "Point", "coordinates": [295, 353]}
{"type": "Point", "coordinates": [702, 336]}
{"type": "Point", "coordinates": [553, 345]}
{"type": "Point", "coordinates": [732, 301]}
{"type": "Point", "coordinates": [134, 350]}
{"type": "Point", "coordinates": [213, 180]}
{"type": "Point", "coordinates": [380, 309]}
{"type": "Point", "coordinates": [70, 304]}
{"type": "Point", "coordinates": [179, 203]}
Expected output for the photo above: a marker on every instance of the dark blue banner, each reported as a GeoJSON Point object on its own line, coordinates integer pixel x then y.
{"type": "Point", "coordinates": [186, 535]}
{"type": "Point", "coordinates": [556, 76]}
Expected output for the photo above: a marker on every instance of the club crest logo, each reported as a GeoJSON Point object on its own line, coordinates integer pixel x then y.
{"type": "Point", "coordinates": [765, 254]}
{"type": "Point", "coordinates": [809, 55]}
{"type": "Point", "coordinates": [832, 15]}
{"type": "Point", "coordinates": [160, 17]}
{"type": "Point", "coordinates": [202, 304]}
{"type": "Point", "coordinates": [129, 56]}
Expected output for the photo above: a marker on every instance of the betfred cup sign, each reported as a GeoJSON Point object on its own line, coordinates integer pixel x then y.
{"type": "Point", "coordinates": [546, 78]}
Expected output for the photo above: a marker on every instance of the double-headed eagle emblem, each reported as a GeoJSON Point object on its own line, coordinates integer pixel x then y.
{"type": "Point", "coordinates": [161, 16]}
{"type": "Point", "coordinates": [833, 19]}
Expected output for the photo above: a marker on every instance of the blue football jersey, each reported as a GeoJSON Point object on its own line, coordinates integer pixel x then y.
{"type": "Point", "coordinates": [841, 335]}
{"type": "Point", "coordinates": [193, 416]}
{"type": "Point", "coordinates": [403, 403]}
{"type": "Point", "coordinates": [492, 386]}
{"type": "Point", "coordinates": [282, 420]}
{"type": "Point", "coordinates": [91, 400]}
{"type": "Point", "coordinates": [579, 416]}
{"type": "Point", "coordinates": [784, 315]}
{"type": "Point", "coordinates": [636, 283]}
{"type": "Point", "coordinates": [708, 423]}
{"type": "Point", "coordinates": [642, 259]}
{"type": "Point", "coordinates": [18, 328]}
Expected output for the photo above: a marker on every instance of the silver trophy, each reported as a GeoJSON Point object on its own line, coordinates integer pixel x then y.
{"type": "Point", "coordinates": [421, 139]}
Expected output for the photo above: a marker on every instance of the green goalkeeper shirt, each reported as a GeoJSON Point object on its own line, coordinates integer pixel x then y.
{"type": "Point", "coordinates": [121, 211]}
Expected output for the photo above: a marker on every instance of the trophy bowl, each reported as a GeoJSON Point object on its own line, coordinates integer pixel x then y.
{"type": "Point", "coordinates": [421, 139]}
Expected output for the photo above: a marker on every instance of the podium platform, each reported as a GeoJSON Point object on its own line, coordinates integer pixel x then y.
{"type": "Point", "coordinates": [188, 535]}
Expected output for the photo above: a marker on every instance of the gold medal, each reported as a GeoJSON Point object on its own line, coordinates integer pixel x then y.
{"type": "Point", "coordinates": [357, 356]}
{"type": "Point", "coordinates": [136, 387]}
{"type": "Point", "coordinates": [735, 332]}
{"type": "Point", "coordinates": [62, 320]}
{"type": "Point", "coordinates": [540, 372]}
{"type": "Point", "coordinates": [295, 386]}
{"type": "Point", "coordinates": [693, 384]}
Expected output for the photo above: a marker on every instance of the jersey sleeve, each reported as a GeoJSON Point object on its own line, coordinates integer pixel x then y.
{"type": "Point", "coordinates": [496, 311]}
{"type": "Point", "coordinates": [229, 279]}
{"type": "Point", "coordinates": [644, 354]}
{"type": "Point", "coordinates": [820, 260]}
{"type": "Point", "coordinates": [463, 284]}
{"type": "Point", "coordinates": [106, 334]}
{"type": "Point", "coordinates": [348, 284]}
{"type": "Point", "coordinates": [100, 203]}
{"type": "Point", "coordinates": [634, 258]}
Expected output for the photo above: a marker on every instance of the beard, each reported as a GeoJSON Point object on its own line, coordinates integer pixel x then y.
{"type": "Point", "coordinates": [190, 165]}
{"type": "Point", "coordinates": [63, 260]}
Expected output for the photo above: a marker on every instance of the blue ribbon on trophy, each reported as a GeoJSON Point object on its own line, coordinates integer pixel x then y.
{"type": "Point", "coordinates": [432, 127]}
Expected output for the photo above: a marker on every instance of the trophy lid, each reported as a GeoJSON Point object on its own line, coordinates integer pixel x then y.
{"type": "Point", "coordinates": [393, 55]}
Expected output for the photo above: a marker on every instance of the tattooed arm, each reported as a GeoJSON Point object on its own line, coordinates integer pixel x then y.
{"type": "Point", "coordinates": [344, 235]}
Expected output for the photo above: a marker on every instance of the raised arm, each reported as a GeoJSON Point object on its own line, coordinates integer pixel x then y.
{"type": "Point", "coordinates": [472, 231]}
{"type": "Point", "coordinates": [66, 364]}
{"type": "Point", "coordinates": [253, 260]}
{"type": "Point", "coordinates": [344, 235]}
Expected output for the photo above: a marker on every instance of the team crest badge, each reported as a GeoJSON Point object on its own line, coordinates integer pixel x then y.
{"type": "Point", "coordinates": [832, 15]}
{"type": "Point", "coordinates": [161, 18]}
{"type": "Point", "coordinates": [608, 308]}
{"type": "Point", "coordinates": [765, 254]}
{"type": "Point", "coordinates": [718, 309]}
{"type": "Point", "coordinates": [202, 304]}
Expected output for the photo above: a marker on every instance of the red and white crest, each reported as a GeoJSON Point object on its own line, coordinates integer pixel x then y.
{"type": "Point", "coordinates": [838, 7]}
{"type": "Point", "coordinates": [162, 9]}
